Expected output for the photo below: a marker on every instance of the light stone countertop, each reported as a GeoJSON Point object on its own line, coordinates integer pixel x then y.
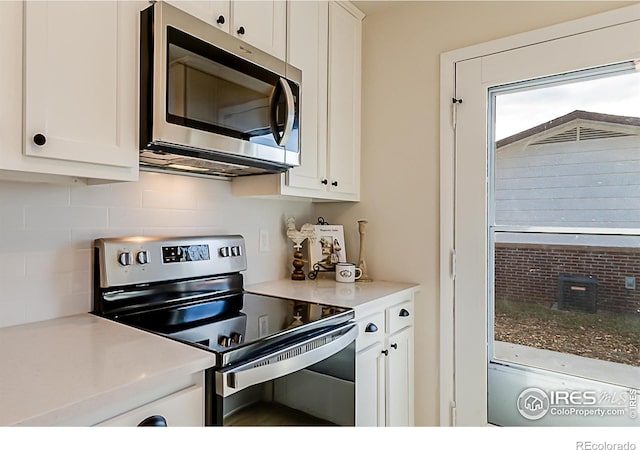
{"type": "Point", "coordinates": [328, 291]}
{"type": "Point", "coordinates": [55, 369]}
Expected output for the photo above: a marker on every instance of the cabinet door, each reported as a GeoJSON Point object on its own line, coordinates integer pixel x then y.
{"type": "Point", "coordinates": [370, 387]}
{"type": "Point", "coordinates": [344, 100]}
{"type": "Point", "coordinates": [81, 81]}
{"type": "Point", "coordinates": [400, 378]}
{"type": "Point", "coordinates": [213, 12]}
{"type": "Point", "coordinates": [262, 24]}
{"type": "Point", "coordinates": [10, 79]}
{"type": "Point", "coordinates": [307, 50]}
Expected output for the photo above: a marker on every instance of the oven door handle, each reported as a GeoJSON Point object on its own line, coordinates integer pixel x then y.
{"type": "Point", "coordinates": [283, 362]}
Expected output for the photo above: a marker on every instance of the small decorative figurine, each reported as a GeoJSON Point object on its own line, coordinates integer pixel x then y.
{"type": "Point", "coordinates": [298, 238]}
{"type": "Point", "coordinates": [362, 265]}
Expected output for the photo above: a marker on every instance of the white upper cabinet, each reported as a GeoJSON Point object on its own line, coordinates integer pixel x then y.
{"type": "Point", "coordinates": [344, 101]}
{"type": "Point", "coordinates": [324, 41]}
{"type": "Point", "coordinates": [80, 86]}
{"type": "Point", "coordinates": [217, 13]}
{"type": "Point", "coordinates": [261, 23]}
{"type": "Point", "coordinates": [10, 82]}
{"type": "Point", "coordinates": [307, 50]}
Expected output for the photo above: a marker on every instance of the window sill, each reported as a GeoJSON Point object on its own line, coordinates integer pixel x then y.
{"type": "Point", "coordinates": [579, 366]}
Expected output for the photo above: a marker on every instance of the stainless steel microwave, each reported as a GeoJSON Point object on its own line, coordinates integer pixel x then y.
{"type": "Point", "coordinates": [211, 104]}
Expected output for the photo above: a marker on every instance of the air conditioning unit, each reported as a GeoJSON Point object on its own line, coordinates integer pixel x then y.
{"type": "Point", "coordinates": [578, 293]}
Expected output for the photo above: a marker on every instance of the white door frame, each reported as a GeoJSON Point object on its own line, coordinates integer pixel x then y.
{"type": "Point", "coordinates": [448, 62]}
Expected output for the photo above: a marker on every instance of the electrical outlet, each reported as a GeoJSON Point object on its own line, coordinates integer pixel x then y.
{"type": "Point", "coordinates": [630, 283]}
{"type": "Point", "coordinates": [264, 245]}
{"type": "Point", "coordinates": [263, 325]}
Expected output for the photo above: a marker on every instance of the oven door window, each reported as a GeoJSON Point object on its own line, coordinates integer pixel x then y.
{"type": "Point", "coordinates": [212, 90]}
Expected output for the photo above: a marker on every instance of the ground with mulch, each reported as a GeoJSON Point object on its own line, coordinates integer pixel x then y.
{"type": "Point", "coordinates": [600, 336]}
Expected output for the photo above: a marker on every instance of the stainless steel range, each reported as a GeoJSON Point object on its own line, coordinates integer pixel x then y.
{"type": "Point", "coordinates": [278, 361]}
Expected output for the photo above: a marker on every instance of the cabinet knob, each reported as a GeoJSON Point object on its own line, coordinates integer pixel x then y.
{"type": "Point", "coordinates": [403, 313]}
{"type": "Point", "coordinates": [153, 421]}
{"type": "Point", "coordinates": [371, 328]}
{"type": "Point", "coordinates": [220, 20]}
{"type": "Point", "coordinates": [39, 139]}
{"type": "Point", "coordinates": [385, 352]}
{"type": "Point", "coordinates": [325, 181]}
{"type": "Point", "coordinates": [394, 346]}
{"type": "Point", "coordinates": [240, 31]}
{"type": "Point", "coordinates": [334, 183]}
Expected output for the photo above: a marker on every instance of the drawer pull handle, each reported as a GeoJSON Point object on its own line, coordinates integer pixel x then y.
{"type": "Point", "coordinates": [395, 346]}
{"type": "Point", "coordinates": [385, 352]}
{"type": "Point", "coordinates": [371, 328]}
{"type": "Point", "coordinates": [153, 421]}
{"type": "Point", "coordinates": [403, 313]}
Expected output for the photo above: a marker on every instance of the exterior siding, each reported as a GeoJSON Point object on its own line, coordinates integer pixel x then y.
{"type": "Point", "coordinates": [587, 183]}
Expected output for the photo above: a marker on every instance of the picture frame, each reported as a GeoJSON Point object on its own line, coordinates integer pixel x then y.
{"type": "Point", "coordinates": [327, 247]}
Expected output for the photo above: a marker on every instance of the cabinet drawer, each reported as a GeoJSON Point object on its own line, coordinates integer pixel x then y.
{"type": "Point", "coordinates": [184, 408]}
{"type": "Point", "coordinates": [399, 316]}
{"type": "Point", "coordinates": [370, 330]}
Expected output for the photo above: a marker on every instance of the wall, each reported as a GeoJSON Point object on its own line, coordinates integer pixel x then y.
{"type": "Point", "coordinates": [46, 233]}
{"type": "Point", "coordinates": [400, 146]}
{"type": "Point", "coordinates": [530, 273]}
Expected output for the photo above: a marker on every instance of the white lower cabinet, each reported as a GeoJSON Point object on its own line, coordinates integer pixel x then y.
{"type": "Point", "coordinates": [184, 408]}
{"type": "Point", "coordinates": [399, 379]}
{"type": "Point", "coordinates": [370, 386]}
{"type": "Point", "coordinates": [384, 363]}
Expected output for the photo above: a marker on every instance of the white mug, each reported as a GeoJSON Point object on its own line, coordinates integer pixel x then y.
{"type": "Point", "coordinates": [346, 272]}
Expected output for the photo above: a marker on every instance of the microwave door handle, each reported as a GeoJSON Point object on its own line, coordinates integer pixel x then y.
{"type": "Point", "coordinates": [282, 86]}
{"type": "Point", "coordinates": [291, 112]}
{"type": "Point", "coordinates": [235, 379]}
{"type": "Point", "coordinates": [273, 112]}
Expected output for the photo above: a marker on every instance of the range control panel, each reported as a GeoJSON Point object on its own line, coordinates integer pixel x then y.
{"type": "Point", "coordinates": [135, 260]}
{"type": "Point", "coordinates": [183, 253]}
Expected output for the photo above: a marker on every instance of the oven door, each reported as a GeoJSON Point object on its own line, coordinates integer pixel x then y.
{"type": "Point", "coordinates": [310, 382]}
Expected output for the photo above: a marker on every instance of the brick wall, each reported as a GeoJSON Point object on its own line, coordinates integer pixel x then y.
{"type": "Point", "coordinates": [529, 272]}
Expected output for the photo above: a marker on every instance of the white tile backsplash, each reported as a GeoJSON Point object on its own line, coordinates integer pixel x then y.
{"type": "Point", "coordinates": [65, 217]}
{"type": "Point", "coordinates": [16, 194]}
{"type": "Point", "coordinates": [46, 234]}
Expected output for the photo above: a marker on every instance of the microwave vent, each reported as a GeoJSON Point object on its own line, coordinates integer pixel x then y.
{"type": "Point", "coordinates": [158, 161]}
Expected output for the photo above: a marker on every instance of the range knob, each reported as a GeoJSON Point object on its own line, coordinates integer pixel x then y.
{"type": "Point", "coordinates": [224, 251]}
{"type": "Point", "coordinates": [142, 257]}
{"type": "Point", "coordinates": [236, 251]}
{"type": "Point", "coordinates": [224, 341]}
{"type": "Point", "coordinates": [236, 338]}
{"type": "Point", "coordinates": [125, 258]}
